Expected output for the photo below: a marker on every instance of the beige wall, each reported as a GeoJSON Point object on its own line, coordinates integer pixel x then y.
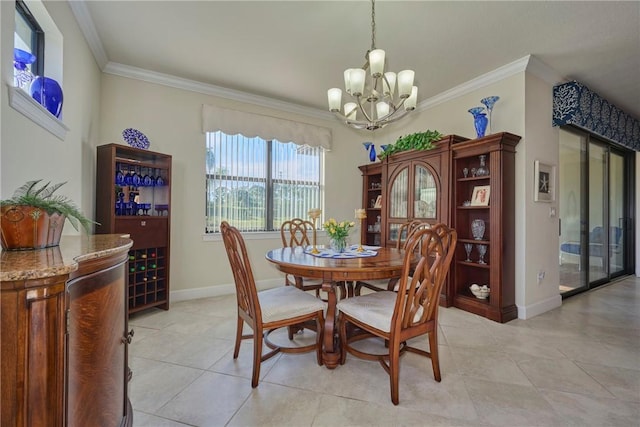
{"type": "Point", "coordinates": [30, 152]}
{"type": "Point", "coordinates": [537, 228]}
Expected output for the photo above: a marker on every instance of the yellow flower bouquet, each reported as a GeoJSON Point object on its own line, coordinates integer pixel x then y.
{"type": "Point", "coordinates": [338, 233]}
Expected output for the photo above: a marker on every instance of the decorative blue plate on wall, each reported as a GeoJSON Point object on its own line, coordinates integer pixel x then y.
{"type": "Point", "coordinates": [135, 138]}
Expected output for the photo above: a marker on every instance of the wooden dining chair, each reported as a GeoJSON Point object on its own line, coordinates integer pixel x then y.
{"type": "Point", "coordinates": [396, 317]}
{"type": "Point", "coordinates": [267, 310]}
{"type": "Point", "coordinates": [405, 230]}
{"type": "Point", "coordinates": [294, 233]}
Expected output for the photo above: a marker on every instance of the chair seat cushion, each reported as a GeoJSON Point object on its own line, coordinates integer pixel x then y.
{"type": "Point", "coordinates": [286, 302]}
{"type": "Point", "coordinates": [374, 309]}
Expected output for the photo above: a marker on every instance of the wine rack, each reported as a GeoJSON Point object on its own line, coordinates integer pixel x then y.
{"type": "Point", "coordinates": [147, 276]}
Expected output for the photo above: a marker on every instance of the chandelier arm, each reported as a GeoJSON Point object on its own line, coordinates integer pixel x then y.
{"type": "Point", "coordinates": [362, 109]}
{"type": "Point", "coordinates": [358, 124]}
{"type": "Point", "coordinates": [396, 118]}
{"type": "Point", "coordinates": [394, 108]}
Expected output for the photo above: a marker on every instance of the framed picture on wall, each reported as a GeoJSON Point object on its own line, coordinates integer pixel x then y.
{"type": "Point", "coordinates": [480, 196]}
{"type": "Point", "coordinates": [544, 181]}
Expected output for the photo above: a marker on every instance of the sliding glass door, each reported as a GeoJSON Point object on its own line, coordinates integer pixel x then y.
{"type": "Point", "coordinates": [594, 196]}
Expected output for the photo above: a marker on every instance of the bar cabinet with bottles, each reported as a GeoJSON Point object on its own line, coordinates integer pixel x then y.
{"type": "Point", "coordinates": [133, 196]}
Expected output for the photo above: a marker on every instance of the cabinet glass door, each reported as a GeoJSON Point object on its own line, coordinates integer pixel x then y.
{"type": "Point", "coordinates": [426, 196]}
{"type": "Point", "coordinates": [399, 195]}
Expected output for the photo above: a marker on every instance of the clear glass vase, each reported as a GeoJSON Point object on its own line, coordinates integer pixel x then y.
{"type": "Point", "coordinates": [477, 229]}
{"type": "Point", "coordinates": [338, 244]}
{"type": "Point", "coordinates": [482, 170]}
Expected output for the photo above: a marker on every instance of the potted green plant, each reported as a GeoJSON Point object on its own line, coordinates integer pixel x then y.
{"type": "Point", "coordinates": [34, 216]}
{"type": "Point", "coordinates": [415, 141]}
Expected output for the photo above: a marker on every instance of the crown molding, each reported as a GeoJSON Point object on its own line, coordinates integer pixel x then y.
{"type": "Point", "coordinates": [544, 72]}
{"type": "Point", "coordinates": [88, 28]}
{"type": "Point", "coordinates": [209, 89]}
{"type": "Point", "coordinates": [481, 81]}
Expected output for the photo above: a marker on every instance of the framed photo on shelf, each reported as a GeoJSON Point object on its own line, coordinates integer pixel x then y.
{"type": "Point", "coordinates": [378, 203]}
{"type": "Point", "coordinates": [480, 196]}
{"type": "Point", "coordinates": [544, 180]}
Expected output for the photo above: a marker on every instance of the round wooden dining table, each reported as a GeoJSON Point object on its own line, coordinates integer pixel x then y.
{"type": "Point", "coordinates": [386, 264]}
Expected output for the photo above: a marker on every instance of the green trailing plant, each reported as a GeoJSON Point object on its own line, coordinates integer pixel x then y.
{"type": "Point", "coordinates": [42, 197]}
{"type": "Point", "coordinates": [414, 141]}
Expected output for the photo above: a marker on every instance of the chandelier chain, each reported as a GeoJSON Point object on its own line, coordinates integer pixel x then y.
{"type": "Point", "coordinates": [373, 24]}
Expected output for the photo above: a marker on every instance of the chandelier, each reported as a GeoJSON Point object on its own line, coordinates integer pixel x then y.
{"type": "Point", "coordinates": [376, 102]}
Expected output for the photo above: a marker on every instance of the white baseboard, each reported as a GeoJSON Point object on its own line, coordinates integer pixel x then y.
{"type": "Point", "coordinates": [539, 307]}
{"type": "Point", "coordinates": [219, 290]}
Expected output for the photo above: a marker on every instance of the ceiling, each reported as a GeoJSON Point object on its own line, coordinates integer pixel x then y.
{"type": "Point", "coordinates": [293, 51]}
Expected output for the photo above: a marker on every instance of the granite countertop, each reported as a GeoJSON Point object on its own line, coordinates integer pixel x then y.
{"type": "Point", "coordinates": [63, 259]}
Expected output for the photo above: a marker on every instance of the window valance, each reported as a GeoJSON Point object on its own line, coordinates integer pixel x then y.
{"type": "Point", "coordinates": [576, 104]}
{"type": "Point", "coordinates": [234, 122]}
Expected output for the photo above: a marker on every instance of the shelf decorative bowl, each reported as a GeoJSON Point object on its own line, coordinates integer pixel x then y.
{"type": "Point", "coordinates": [480, 292]}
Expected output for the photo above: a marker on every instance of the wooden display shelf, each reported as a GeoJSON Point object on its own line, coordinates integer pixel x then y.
{"type": "Point", "coordinates": [146, 217]}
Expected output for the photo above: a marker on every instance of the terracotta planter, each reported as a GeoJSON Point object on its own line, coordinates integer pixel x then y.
{"type": "Point", "coordinates": [25, 227]}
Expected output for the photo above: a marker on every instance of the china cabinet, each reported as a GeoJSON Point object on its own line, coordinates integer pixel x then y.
{"type": "Point", "coordinates": [460, 182]}
{"type": "Point", "coordinates": [133, 196]}
{"type": "Point", "coordinates": [65, 336]}
{"type": "Point", "coordinates": [485, 168]}
{"type": "Point", "coordinates": [413, 185]}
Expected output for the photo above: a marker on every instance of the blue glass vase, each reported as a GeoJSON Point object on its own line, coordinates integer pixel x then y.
{"type": "Point", "coordinates": [489, 102]}
{"type": "Point", "coordinates": [48, 93]}
{"type": "Point", "coordinates": [22, 75]}
{"type": "Point", "coordinates": [480, 120]}
{"type": "Point", "coordinates": [372, 153]}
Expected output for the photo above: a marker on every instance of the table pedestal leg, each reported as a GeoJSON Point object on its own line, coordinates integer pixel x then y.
{"type": "Point", "coordinates": [330, 349]}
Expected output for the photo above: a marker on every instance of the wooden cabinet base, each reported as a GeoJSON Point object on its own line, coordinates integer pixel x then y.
{"type": "Point", "coordinates": [64, 345]}
{"type": "Point", "coordinates": [483, 308]}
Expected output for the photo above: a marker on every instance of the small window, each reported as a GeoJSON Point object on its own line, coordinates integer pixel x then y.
{"type": "Point", "coordinates": [29, 38]}
{"type": "Point", "coordinates": [256, 185]}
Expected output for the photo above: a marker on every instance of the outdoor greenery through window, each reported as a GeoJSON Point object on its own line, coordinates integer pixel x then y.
{"type": "Point", "coordinates": [255, 185]}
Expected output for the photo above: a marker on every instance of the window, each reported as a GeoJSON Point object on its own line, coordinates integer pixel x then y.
{"type": "Point", "coordinates": [255, 184]}
{"type": "Point", "coordinates": [29, 37]}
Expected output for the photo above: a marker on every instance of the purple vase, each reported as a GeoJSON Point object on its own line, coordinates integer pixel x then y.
{"type": "Point", "coordinates": [48, 93]}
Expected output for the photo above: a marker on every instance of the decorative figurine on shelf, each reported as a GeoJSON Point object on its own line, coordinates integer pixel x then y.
{"type": "Point", "coordinates": [314, 214]}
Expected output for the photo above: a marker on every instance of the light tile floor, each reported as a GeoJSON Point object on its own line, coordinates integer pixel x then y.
{"type": "Point", "coordinates": [578, 365]}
